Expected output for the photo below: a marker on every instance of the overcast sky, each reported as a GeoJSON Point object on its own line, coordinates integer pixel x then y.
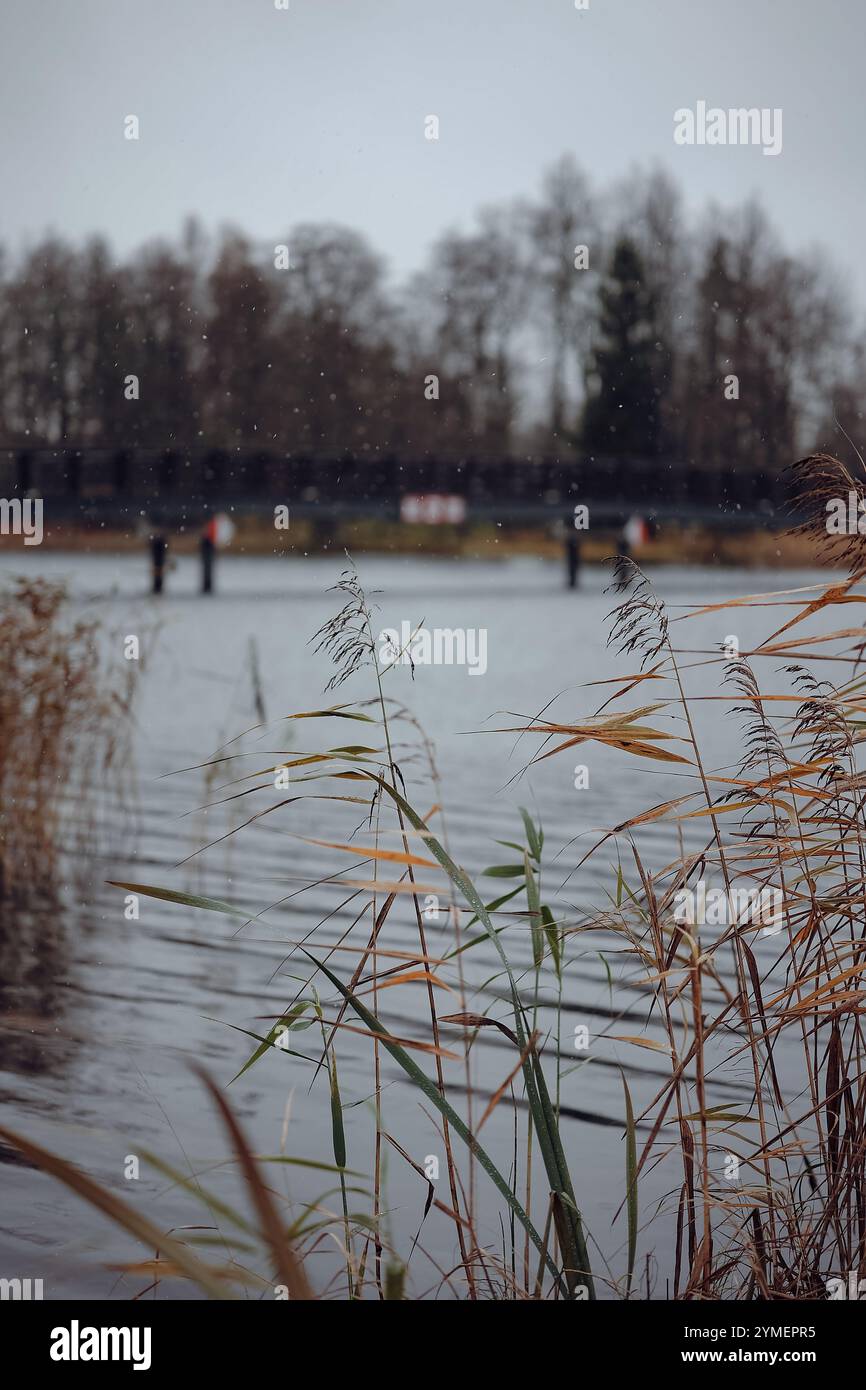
{"type": "Point", "coordinates": [264, 118]}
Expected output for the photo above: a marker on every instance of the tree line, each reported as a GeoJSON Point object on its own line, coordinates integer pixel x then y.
{"type": "Point", "coordinates": [604, 322]}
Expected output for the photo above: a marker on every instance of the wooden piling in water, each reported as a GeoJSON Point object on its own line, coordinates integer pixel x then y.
{"type": "Point", "coordinates": [208, 550]}
{"type": "Point", "coordinates": [572, 559]}
{"type": "Point", "coordinates": [158, 549]}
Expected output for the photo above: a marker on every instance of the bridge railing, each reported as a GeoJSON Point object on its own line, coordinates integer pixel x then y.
{"type": "Point", "coordinates": [210, 477]}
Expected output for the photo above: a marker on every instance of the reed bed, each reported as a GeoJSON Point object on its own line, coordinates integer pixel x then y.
{"type": "Point", "coordinates": [767, 1197]}
{"type": "Point", "coordinates": [64, 731]}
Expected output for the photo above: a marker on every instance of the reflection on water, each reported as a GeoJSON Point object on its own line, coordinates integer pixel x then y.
{"type": "Point", "coordinates": [102, 1016]}
{"type": "Point", "coordinates": [35, 978]}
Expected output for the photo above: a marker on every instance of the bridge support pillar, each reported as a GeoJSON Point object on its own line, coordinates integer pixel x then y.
{"type": "Point", "coordinates": [207, 556]}
{"type": "Point", "coordinates": [158, 548]}
{"type": "Point", "coordinates": [572, 559]}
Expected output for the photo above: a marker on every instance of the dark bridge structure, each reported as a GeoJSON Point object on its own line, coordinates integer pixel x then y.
{"type": "Point", "coordinates": [183, 487]}
{"type": "Point", "coordinates": [157, 491]}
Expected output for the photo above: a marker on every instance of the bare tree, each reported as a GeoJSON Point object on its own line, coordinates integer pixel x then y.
{"type": "Point", "coordinates": [562, 221]}
{"type": "Point", "coordinates": [237, 385]}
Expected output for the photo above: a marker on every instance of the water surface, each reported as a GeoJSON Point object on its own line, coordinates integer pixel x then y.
{"type": "Point", "coordinates": [103, 1017]}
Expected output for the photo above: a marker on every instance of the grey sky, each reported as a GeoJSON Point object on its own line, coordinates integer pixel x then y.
{"type": "Point", "coordinates": [264, 118]}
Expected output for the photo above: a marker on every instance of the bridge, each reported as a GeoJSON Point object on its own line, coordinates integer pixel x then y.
{"type": "Point", "coordinates": [174, 487]}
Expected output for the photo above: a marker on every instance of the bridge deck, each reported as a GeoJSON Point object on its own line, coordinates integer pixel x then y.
{"type": "Point", "coordinates": [180, 486]}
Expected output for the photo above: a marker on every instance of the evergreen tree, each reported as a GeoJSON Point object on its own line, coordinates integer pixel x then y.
{"type": "Point", "coordinates": [622, 411]}
{"type": "Point", "coordinates": [714, 433]}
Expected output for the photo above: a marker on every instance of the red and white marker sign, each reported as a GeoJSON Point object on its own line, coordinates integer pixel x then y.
{"type": "Point", "coordinates": [433, 508]}
{"type": "Point", "coordinates": [636, 531]}
{"type": "Point", "coordinates": [220, 529]}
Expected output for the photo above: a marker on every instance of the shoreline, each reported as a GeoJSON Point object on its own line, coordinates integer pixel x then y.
{"type": "Point", "coordinates": [688, 545]}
